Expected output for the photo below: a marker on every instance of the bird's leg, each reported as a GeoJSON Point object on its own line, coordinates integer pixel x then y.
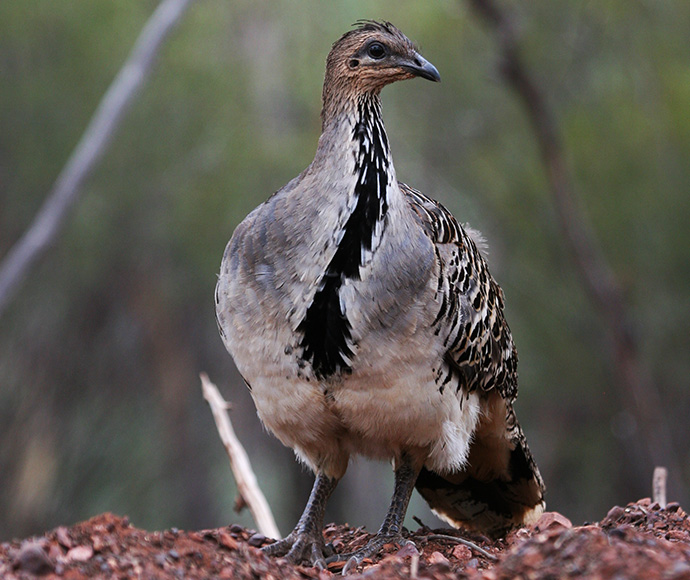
{"type": "Point", "coordinates": [391, 528]}
{"type": "Point", "coordinates": [306, 542]}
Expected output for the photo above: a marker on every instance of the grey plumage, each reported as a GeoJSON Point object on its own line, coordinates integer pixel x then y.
{"type": "Point", "coordinates": [365, 320]}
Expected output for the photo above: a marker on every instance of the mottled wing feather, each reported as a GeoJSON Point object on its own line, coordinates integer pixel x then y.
{"type": "Point", "coordinates": [480, 345]}
{"type": "Point", "coordinates": [501, 486]}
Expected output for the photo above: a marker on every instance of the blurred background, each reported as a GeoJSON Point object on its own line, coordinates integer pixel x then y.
{"type": "Point", "coordinates": [100, 351]}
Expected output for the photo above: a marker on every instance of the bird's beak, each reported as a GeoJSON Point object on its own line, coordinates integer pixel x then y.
{"type": "Point", "coordinates": [420, 67]}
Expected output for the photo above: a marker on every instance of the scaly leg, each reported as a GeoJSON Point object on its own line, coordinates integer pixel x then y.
{"type": "Point", "coordinates": [391, 528]}
{"type": "Point", "coordinates": [306, 541]}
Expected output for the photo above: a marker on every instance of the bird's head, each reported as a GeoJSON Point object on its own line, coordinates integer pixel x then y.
{"type": "Point", "coordinates": [371, 56]}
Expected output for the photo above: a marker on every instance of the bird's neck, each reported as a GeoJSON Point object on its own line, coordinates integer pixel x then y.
{"type": "Point", "coordinates": [355, 146]}
{"type": "Point", "coordinates": [337, 115]}
{"type": "Point", "coordinates": [353, 137]}
{"type": "Point", "coordinates": [354, 159]}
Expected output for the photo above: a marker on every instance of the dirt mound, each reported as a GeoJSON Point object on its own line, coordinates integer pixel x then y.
{"type": "Point", "coordinates": [640, 540]}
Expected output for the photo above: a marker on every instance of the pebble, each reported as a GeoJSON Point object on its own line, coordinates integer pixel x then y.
{"type": "Point", "coordinates": [462, 553]}
{"type": "Point", "coordinates": [438, 558]}
{"type": "Point", "coordinates": [256, 540]}
{"type": "Point", "coordinates": [549, 520]}
{"type": "Point", "coordinates": [227, 541]}
{"type": "Point", "coordinates": [32, 558]}
{"type": "Point", "coordinates": [62, 536]}
{"type": "Point", "coordinates": [80, 553]}
{"type": "Point", "coordinates": [160, 560]}
{"type": "Point", "coordinates": [615, 513]}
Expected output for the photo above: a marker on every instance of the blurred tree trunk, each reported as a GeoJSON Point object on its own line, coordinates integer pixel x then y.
{"type": "Point", "coordinates": [636, 389]}
{"type": "Point", "coordinates": [174, 373]}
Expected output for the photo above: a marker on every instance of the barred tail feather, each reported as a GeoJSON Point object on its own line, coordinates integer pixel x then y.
{"type": "Point", "coordinates": [499, 489]}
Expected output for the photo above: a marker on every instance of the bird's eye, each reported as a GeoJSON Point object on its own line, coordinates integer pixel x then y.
{"type": "Point", "coordinates": [376, 50]}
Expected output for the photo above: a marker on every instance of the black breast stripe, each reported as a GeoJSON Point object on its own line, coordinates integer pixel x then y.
{"type": "Point", "coordinates": [326, 340]}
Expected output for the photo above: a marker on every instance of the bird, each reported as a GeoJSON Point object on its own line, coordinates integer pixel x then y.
{"type": "Point", "coordinates": [364, 320]}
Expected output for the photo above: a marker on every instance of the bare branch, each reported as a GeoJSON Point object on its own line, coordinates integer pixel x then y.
{"type": "Point", "coordinates": [633, 378]}
{"type": "Point", "coordinates": [247, 486]}
{"type": "Point", "coordinates": [100, 131]}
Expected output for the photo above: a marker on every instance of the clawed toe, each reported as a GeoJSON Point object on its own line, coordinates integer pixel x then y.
{"type": "Point", "coordinates": [354, 559]}
{"type": "Point", "coordinates": [278, 548]}
{"type": "Point", "coordinates": [298, 548]}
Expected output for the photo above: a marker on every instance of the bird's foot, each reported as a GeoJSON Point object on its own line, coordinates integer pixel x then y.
{"type": "Point", "coordinates": [373, 546]}
{"type": "Point", "coordinates": [301, 546]}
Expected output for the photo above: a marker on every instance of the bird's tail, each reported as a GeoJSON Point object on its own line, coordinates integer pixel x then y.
{"type": "Point", "coordinates": [499, 489]}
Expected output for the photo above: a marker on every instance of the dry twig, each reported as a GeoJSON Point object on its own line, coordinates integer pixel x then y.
{"type": "Point", "coordinates": [247, 486]}
{"type": "Point", "coordinates": [100, 131]}
{"type": "Point", "coordinates": [659, 486]}
{"type": "Point", "coordinates": [471, 545]}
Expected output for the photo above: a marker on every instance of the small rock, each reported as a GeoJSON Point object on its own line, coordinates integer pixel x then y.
{"type": "Point", "coordinates": [620, 531]}
{"type": "Point", "coordinates": [677, 535]}
{"type": "Point", "coordinates": [80, 554]}
{"type": "Point", "coordinates": [409, 549]}
{"type": "Point", "coordinates": [615, 513]}
{"type": "Point", "coordinates": [337, 544]}
{"type": "Point", "coordinates": [257, 540]}
{"type": "Point", "coordinates": [98, 543]}
{"type": "Point", "coordinates": [227, 541]}
{"type": "Point", "coordinates": [438, 558]}
{"type": "Point", "coordinates": [32, 558]}
{"type": "Point", "coordinates": [55, 551]}
{"type": "Point", "coordinates": [62, 536]}
{"type": "Point", "coordinates": [160, 560]}
{"type": "Point", "coordinates": [336, 566]}
{"type": "Point", "coordinates": [549, 520]}
{"type": "Point", "coordinates": [156, 540]}
{"type": "Point", "coordinates": [462, 553]}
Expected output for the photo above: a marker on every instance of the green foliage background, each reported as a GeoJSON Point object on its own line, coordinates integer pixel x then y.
{"type": "Point", "coordinates": [100, 403]}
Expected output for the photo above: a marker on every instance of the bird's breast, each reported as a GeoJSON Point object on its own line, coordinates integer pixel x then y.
{"type": "Point", "coordinates": [281, 291]}
{"type": "Point", "coordinates": [377, 398]}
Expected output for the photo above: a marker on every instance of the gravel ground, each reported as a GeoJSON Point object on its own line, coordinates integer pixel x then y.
{"type": "Point", "coordinates": [640, 540]}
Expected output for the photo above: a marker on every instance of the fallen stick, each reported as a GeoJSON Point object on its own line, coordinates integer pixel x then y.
{"type": "Point", "coordinates": [247, 487]}
{"type": "Point", "coordinates": [471, 545]}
